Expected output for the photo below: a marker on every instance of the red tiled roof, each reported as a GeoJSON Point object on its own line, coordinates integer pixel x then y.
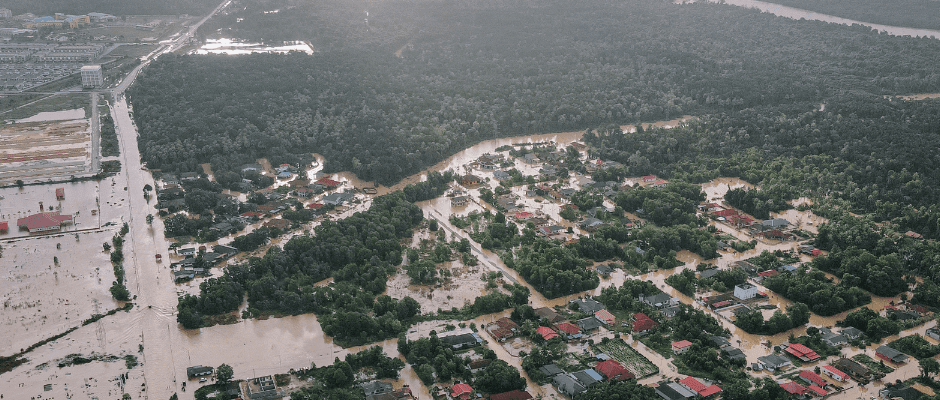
{"type": "Point", "coordinates": [918, 308]}
{"type": "Point", "coordinates": [693, 384]}
{"type": "Point", "coordinates": [327, 182]}
{"type": "Point", "coordinates": [251, 214]}
{"type": "Point", "coordinates": [836, 371]}
{"type": "Point", "coordinates": [613, 370]}
{"type": "Point", "coordinates": [59, 192]}
{"type": "Point", "coordinates": [524, 214]}
{"type": "Point", "coordinates": [642, 323]}
{"type": "Point", "coordinates": [568, 328]}
{"type": "Point", "coordinates": [277, 223]}
{"type": "Point", "coordinates": [768, 273]}
{"type": "Point", "coordinates": [725, 213]}
{"type": "Point", "coordinates": [43, 220]}
{"type": "Point", "coordinates": [649, 178]}
{"type": "Point", "coordinates": [314, 206]}
{"type": "Point", "coordinates": [546, 332]}
{"type": "Point", "coordinates": [818, 390]}
{"type": "Point", "coordinates": [605, 316]}
{"type": "Point", "coordinates": [4, 226]}
{"type": "Point", "coordinates": [506, 323]}
{"type": "Point", "coordinates": [460, 389]}
{"type": "Point", "coordinates": [793, 388]}
{"type": "Point", "coordinates": [709, 391]}
{"type": "Point", "coordinates": [801, 351]}
{"type": "Point", "coordinates": [681, 344]}
{"type": "Point", "coordinates": [513, 395]}
{"type": "Point", "coordinates": [813, 377]}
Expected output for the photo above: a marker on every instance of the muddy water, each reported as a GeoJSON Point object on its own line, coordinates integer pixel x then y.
{"type": "Point", "coordinates": [796, 13]}
{"type": "Point", "coordinates": [256, 347]}
{"type": "Point", "coordinates": [716, 189]}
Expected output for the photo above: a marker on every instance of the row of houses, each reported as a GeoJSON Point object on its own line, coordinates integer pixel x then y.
{"type": "Point", "coordinates": [574, 383]}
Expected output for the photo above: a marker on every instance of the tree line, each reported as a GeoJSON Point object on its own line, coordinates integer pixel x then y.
{"type": "Point", "coordinates": [504, 72]}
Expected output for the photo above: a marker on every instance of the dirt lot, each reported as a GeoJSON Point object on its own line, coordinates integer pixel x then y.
{"type": "Point", "coordinates": [39, 151]}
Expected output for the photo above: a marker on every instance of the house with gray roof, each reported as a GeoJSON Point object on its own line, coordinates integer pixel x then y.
{"type": "Point", "coordinates": [336, 199]}
{"type": "Point", "coordinates": [887, 353]}
{"type": "Point", "coordinates": [587, 305]}
{"type": "Point", "coordinates": [568, 385]}
{"type": "Point", "coordinates": [589, 324]}
{"type": "Point", "coordinates": [588, 377]}
{"type": "Point", "coordinates": [501, 175]}
{"type": "Point", "coordinates": [376, 387]}
{"type": "Point", "coordinates": [674, 391]}
{"type": "Point", "coordinates": [550, 370]}
{"type": "Point", "coordinates": [659, 300]}
{"type": "Point", "coordinates": [852, 333]}
{"type": "Point", "coordinates": [773, 362]}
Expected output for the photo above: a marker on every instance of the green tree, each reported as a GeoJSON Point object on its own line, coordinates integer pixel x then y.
{"type": "Point", "coordinates": [224, 373]}
{"type": "Point", "coordinates": [499, 377]}
{"type": "Point", "coordinates": [928, 366]}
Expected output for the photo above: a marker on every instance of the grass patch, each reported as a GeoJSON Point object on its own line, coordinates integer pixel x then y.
{"type": "Point", "coordinates": [109, 139]}
{"type": "Point", "coordinates": [57, 102]}
{"type": "Point", "coordinates": [872, 364]}
{"type": "Point", "coordinates": [628, 357]}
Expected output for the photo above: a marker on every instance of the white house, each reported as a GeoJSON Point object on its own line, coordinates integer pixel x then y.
{"type": "Point", "coordinates": [745, 291]}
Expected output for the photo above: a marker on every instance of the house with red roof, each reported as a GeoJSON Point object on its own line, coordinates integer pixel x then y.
{"type": "Point", "coordinates": [681, 346]}
{"type": "Point", "coordinates": [794, 388]}
{"type": "Point", "coordinates": [725, 213]}
{"type": "Point", "coordinates": [818, 391]}
{"type": "Point", "coordinates": [278, 224]}
{"type": "Point", "coordinates": [698, 387]}
{"type": "Point", "coordinates": [524, 216]}
{"type": "Point", "coordinates": [513, 395]}
{"type": "Point", "coordinates": [802, 352]}
{"type": "Point", "coordinates": [606, 317]}
{"type": "Point", "coordinates": [649, 178]}
{"type": "Point", "coordinates": [4, 226]}
{"type": "Point", "coordinates": [461, 391]}
{"type": "Point", "coordinates": [642, 324]}
{"type": "Point", "coordinates": [502, 329]}
{"type": "Point", "coordinates": [329, 183]}
{"type": "Point", "coordinates": [546, 332]}
{"type": "Point", "coordinates": [60, 193]}
{"type": "Point", "coordinates": [568, 328]}
{"type": "Point", "coordinates": [614, 371]}
{"type": "Point", "coordinates": [835, 373]}
{"type": "Point", "coordinates": [44, 222]}
{"type": "Point", "coordinates": [315, 206]}
{"type": "Point", "coordinates": [252, 214]}
{"type": "Point", "coordinates": [812, 378]}
{"type": "Point", "coordinates": [768, 273]}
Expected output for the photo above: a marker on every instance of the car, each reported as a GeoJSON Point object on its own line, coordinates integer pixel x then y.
{"type": "Point", "coordinates": [201, 380]}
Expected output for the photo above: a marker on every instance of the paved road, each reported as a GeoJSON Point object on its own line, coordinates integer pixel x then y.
{"type": "Point", "coordinates": [454, 232]}
{"type": "Point", "coordinates": [155, 294]}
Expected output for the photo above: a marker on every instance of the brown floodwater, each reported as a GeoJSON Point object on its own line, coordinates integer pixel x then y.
{"type": "Point", "coordinates": [274, 345]}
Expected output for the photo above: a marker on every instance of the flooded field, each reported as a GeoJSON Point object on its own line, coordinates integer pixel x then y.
{"type": "Point", "coordinates": [235, 47]}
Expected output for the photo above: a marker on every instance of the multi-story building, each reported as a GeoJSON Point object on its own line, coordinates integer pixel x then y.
{"type": "Point", "coordinates": [92, 76]}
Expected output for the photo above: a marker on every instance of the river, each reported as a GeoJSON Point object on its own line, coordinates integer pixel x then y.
{"type": "Point", "coordinates": [796, 13]}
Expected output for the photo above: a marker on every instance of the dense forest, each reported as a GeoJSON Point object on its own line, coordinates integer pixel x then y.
{"type": "Point", "coordinates": [475, 70]}
{"type": "Point", "coordinates": [911, 13]}
{"type": "Point", "coordinates": [878, 155]}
